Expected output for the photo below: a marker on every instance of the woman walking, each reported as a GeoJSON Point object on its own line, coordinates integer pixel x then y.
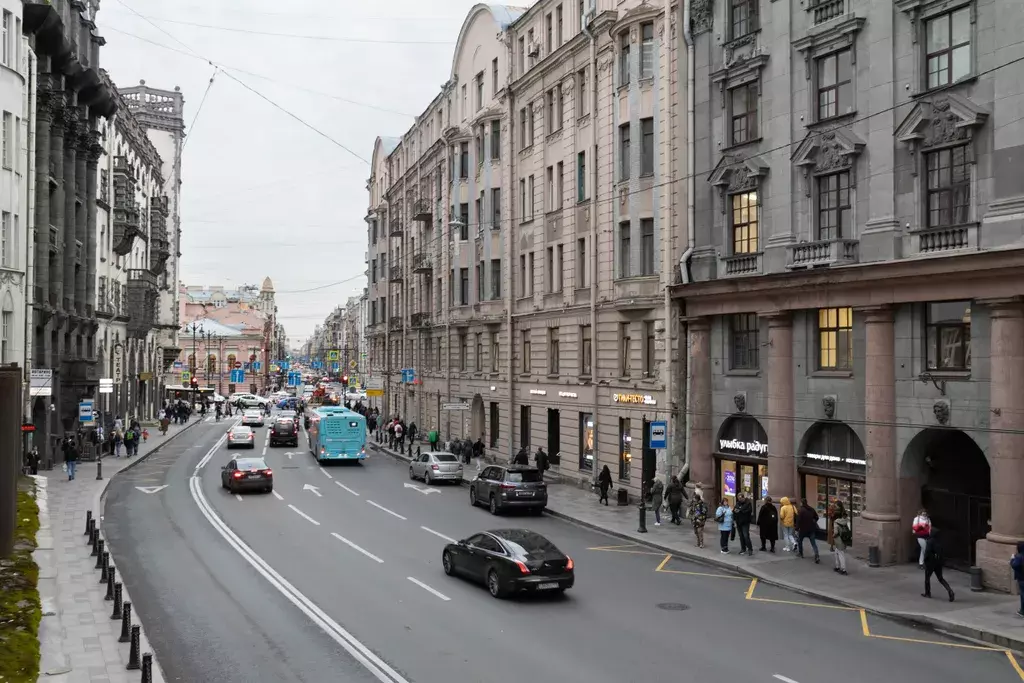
{"type": "Point", "coordinates": [698, 517]}
{"type": "Point", "coordinates": [787, 516]}
{"type": "Point", "coordinates": [842, 538]}
{"type": "Point", "coordinates": [674, 494]}
{"type": "Point", "coordinates": [604, 483]}
{"type": "Point", "coordinates": [922, 528]}
{"type": "Point", "coordinates": [768, 524]}
{"type": "Point", "coordinates": [657, 499]}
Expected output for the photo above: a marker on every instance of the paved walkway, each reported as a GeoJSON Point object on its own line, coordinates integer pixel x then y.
{"type": "Point", "coordinates": [77, 637]}
{"type": "Point", "coordinates": [893, 591]}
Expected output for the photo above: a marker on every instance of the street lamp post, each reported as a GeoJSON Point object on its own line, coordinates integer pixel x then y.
{"type": "Point", "coordinates": [196, 329]}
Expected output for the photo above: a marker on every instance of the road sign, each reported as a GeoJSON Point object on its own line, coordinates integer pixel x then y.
{"type": "Point", "coordinates": [335, 366]}
{"type": "Point", "coordinates": [41, 382]}
{"type": "Point", "coordinates": [294, 379]}
{"type": "Point", "coordinates": [238, 376]}
{"type": "Point", "coordinates": [333, 355]}
{"type": "Point", "coordinates": [186, 377]}
{"type": "Point", "coordinates": [273, 367]}
{"type": "Point", "coordinates": [353, 364]}
{"type": "Point", "coordinates": [455, 406]}
{"type": "Point", "coordinates": [283, 364]}
{"type": "Point", "coordinates": [658, 437]}
{"type": "Point", "coordinates": [256, 365]}
{"type": "Point", "coordinates": [376, 383]}
{"type": "Point", "coordinates": [408, 375]}
{"type": "Point", "coordinates": [178, 365]}
{"type": "Point", "coordinates": [106, 385]}
{"type": "Point", "coordinates": [316, 365]}
{"type": "Point", "coordinates": [238, 364]}
{"type": "Point", "coordinates": [85, 411]}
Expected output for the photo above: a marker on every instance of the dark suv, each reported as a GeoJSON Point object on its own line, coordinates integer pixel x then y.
{"type": "Point", "coordinates": [511, 487]}
{"type": "Point", "coordinates": [284, 431]}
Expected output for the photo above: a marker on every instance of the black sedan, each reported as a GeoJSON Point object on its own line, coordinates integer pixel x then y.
{"type": "Point", "coordinates": [509, 561]}
{"type": "Point", "coordinates": [284, 431]}
{"type": "Point", "coordinates": [247, 474]}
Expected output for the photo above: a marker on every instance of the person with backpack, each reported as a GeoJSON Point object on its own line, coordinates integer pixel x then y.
{"type": "Point", "coordinates": [934, 561]}
{"type": "Point", "coordinates": [922, 529]}
{"type": "Point", "coordinates": [842, 538]}
{"type": "Point", "coordinates": [768, 524]}
{"type": "Point", "coordinates": [787, 517]}
{"type": "Point", "coordinates": [698, 516]}
{"type": "Point", "coordinates": [70, 457]}
{"type": "Point", "coordinates": [129, 442]}
{"type": "Point", "coordinates": [723, 515]}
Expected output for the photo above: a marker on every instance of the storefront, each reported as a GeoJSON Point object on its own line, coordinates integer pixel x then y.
{"type": "Point", "coordinates": [741, 461]}
{"type": "Point", "coordinates": [832, 467]}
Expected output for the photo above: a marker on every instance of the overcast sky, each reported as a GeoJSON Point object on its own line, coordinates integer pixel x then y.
{"type": "Point", "coordinates": [263, 193]}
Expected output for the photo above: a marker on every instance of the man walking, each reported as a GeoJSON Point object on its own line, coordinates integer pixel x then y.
{"type": "Point", "coordinates": [70, 456]}
{"type": "Point", "coordinates": [934, 561]}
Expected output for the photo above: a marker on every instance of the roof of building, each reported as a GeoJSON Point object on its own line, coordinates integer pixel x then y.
{"type": "Point", "coordinates": [201, 294]}
{"type": "Point", "coordinates": [214, 327]}
{"type": "Point", "coordinates": [505, 15]}
{"type": "Point", "coordinates": [268, 286]}
{"type": "Point", "coordinates": [388, 143]}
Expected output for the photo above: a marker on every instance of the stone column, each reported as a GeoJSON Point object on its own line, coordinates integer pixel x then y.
{"type": "Point", "coordinates": [1005, 442]}
{"type": "Point", "coordinates": [781, 449]}
{"type": "Point", "coordinates": [44, 116]}
{"type": "Point", "coordinates": [880, 520]}
{"type": "Point", "coordinates": [55, 164]}
{"type": "Point", "coordinates": [91, 172]}
{"type": "Point", "coordinates": [702, 470]}
{"type": "Point", "coordinates": [71, 128]}
{"type": "Point", "coordinates": [83, 142]}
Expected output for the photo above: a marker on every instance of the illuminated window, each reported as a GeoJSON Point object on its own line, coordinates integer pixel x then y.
{"type": "Point", "coordinates": [835, 338]}
{"type": "Point", "coordinates": [744, 223]}
{"type": "Point", "coordinates": [625, 455]}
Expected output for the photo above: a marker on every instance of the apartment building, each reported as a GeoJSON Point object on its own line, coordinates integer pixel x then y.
{"type": "Point", "coordinates": [855, 321]}
{"type": "Point", "coordinates": [523, 234]}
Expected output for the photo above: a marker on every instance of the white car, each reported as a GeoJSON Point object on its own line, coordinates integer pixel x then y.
{"type": "Point", "coordinates": [248, 400]}
{"type": "Point", "coordinates": [252, 418]}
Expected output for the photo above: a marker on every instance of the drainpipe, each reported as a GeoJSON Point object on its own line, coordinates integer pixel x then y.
{"type": "Point", "coordinates": [30, 242]}
{"type": "Point", "coordinates": [684, 262]}
{"type": "Point", "coordinates": [593, 223]}
{"type": "Point", "coordinates": [509, 294]}
{"type": "Point", "coordinates": [667, 244]}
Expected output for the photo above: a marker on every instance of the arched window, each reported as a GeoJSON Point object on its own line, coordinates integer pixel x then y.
{"type": "Point", "coordinates": [192, 362]}
{"type": "Point", "coordinates": [232, 359]}
{"type": "Point", "coordinates": [211, 364]}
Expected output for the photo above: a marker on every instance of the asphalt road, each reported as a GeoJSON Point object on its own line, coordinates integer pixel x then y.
{"type": "Point", "coordinates": [365, 548]}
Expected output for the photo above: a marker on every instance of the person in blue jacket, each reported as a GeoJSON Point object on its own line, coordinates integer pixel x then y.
{"type": "Point", "coordinates": [1017, 563]}
{"type": "Point", "coordinates": [723, 515]}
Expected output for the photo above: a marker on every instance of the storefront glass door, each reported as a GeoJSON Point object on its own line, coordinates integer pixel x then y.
{"type": "Point", "coordinates": [821, 491]}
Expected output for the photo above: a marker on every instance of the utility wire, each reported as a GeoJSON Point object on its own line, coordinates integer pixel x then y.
{"type": "Point", "coordinates": [199, 109]}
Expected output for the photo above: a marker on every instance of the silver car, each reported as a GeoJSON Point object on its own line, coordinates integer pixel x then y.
{"type": "Point", "coordinates": [252, 418]}
{"type": "Point", "coordinates": [436, 466]}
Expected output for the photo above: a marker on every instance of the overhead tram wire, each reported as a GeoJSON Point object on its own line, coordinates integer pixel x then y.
{"type": "Point", "coordinates": [199, 109]}
{"type": "Point", "coordinates": [245, 85]}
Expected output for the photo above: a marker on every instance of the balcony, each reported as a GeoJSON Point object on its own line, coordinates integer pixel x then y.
{"type": "Point", "coordinates": [161, 247]}
{"type": "Point", "coordinates": [422, 210]}
{"type": "Point", "coordinates": [143, 297]}
{"type": "Point", "coordinates": [740, 264]}
{"type": "Point", "coordinates": [395, 229]}
{"type": "Point", "coordinates": [79, 369]}
{"type": "Point", "coordinates": [951, 238]}
{"type": "Point", "coordinates": [422, 262]}
{"type": "Point", "coordinates": [824, 10]}
{"type": "Point", "coordinates": [837, 252]}
{"type": "Point", "coordinates": [420, 320]}
{"type": "Point", "coordinates": [395, 323]}
{"type": "Point", "coordinates": [395, 274]}
{"type": "Point", "coordinates": [127, 223]}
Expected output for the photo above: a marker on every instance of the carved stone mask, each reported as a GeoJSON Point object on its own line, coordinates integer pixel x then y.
{"type": "Point", "coordinates": [941, 410]}
{"type": "Point", "coordinates": [828, 404]}
{"type": "Point", "coordinates": [741, 402]}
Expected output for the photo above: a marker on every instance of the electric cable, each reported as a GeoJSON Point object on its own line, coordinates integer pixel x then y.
{"type": "Point", "coordinates": [199, 109]}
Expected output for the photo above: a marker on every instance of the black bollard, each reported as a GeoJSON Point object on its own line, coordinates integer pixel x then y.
{"type": "Point", "coordinates": [642, 529]}
{"type": "Point", "coordinates": [88, 522]}
{"type": "Point", "coordinates": [116, 614]}
{"type": "Point", "coordinates": [417, 451]}
{"type": "Point", "coordinates": [147, 668]}
{"type": "Point", "coordinates": [99, 554]}
{"type": "Point", "coordinates": [126, 623]}
{"type": "Point", "coordinates": [133, 653]}
{"type": "Point", "coordinates": [89, 526]}
{"type": "Point", "coordinates": [105, 562]}
{"type": "Point", "coordinates": [111, 573]}
{"type": "Point", "coordinates": [99, 468]}
{"type": "Point", "coordinates": [95, 541]}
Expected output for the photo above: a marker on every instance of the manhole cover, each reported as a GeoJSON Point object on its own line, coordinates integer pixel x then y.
{"type": "Point", "coordinates": [673, 606]}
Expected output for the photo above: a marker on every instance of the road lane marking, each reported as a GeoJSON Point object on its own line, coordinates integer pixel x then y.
{"type": "Point", "coordinates": [264, 451]}
{"type": "Point", "coordinates": [346, 488]}
{"type": "Point", "coordinates": [209, 454]}
{"type": "Point", "coordinates": [277, 495]}
{"type": "Point", "coordinates": [326, 473]}
{"type": "Point", "coordinates": [352, 545]}
{"type": "Point", "coordinates": [1016, 666]}
{"type": "Point", "coordinates": [314, 489]}
{"type": "Point", "coordinates": [663, 563]}
{"type": "Point", "coordinates": [438, 534]}
{"type": "Point", "coordinates": [239, 497]}
{"type": "Point", "coordinates": [435, 592]}
{"type": "Point", "coordinates": [360, 652]}
{"type": "Point", "coordinates": [783, 678]}
{"type": "Point", "coordinates": [381, 507]}
{"type": "Point", "coordinates": [302, 514]}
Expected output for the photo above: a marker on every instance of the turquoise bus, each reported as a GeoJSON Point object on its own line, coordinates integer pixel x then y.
{"type": "Point", "coordinates": [337, 433]}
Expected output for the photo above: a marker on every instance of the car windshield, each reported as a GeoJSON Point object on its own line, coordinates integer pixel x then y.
{"type": "Point", "coordinates": [521, 476]}
{"type": "Point", "coordinates": [251, 464]}
{"type": "Point", "coordinates": [287, 413]}
{"type": "Point", "coordinates": [445, 457]}
{"type": "Point", "coordinates": [241, 431]}
{"type": "Point", "coordinates": [253, 412]}
{"type": "Point", "coordinates": [526, 543]}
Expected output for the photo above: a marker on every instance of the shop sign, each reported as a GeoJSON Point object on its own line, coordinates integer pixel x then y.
{"type": "Point", "coordinates": [730, 483]}
{"type": "Point", "coordinates": [568, 394]}
{"type": "Point", "coordinates": [637, 399]}
{"type": "Point", "coordinates": [538, 392]}
{"type": "Point", "coordinates": [748, 447]}
{"type": "Point", "coordinates": [859, 462]}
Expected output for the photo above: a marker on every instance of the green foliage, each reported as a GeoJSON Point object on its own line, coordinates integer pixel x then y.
{"type": "Point", "coordinates": [19, 596]}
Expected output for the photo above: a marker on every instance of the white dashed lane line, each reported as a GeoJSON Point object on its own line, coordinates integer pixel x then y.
{"type": "Point", "coordinates": [326, 473]}
{"type": "Point", "coordinates": [429, 589]}
{"type": "Point", "coordinates": [438, 534]}
{"type": "Point", "coordinates": [346, 488]}
{"type": "Point", "coordinates": [302, 514]}
{"type": "Point", "coordinates": [277, 495]}
{"type": "Point", "coordinates": [239, 497]}
{"type": "Point", "coordinates": [390, 512]}
{"type": "Point", "coordinates": [352, 545]}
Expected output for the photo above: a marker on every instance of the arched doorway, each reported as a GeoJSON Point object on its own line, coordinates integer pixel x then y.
{"type": "Point", "coordinates": [832, 466]}
{"type": "Point", "coordinates": [945, 472]}
{"type": "Point", "coordinates": [477, 418]}
{"type": "Point", "coordinates": [741, 459]}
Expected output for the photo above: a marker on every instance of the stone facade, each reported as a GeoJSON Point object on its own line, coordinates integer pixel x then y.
{"type": "Point", "coordinates": [856, 308]}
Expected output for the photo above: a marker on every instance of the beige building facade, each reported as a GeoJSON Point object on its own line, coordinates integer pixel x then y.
{"type": "Point", "coordinates": [523, 235]}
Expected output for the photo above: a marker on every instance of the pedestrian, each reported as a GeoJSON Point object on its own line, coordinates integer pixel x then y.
{"type": "Point", "coordinates": [934, 561]}
{"type": "Point", "coordinates": [523, 457]}
{"type": "Point", "coordinates": [1017, 565]}
{"type": "Point", "coordinates": [70, 456]}
{"type": "Point", "coordinates": [541, 458]}
{"type": "Point", "coordinates": [604, 484]}
{"type": "Point", "coordinates": [478, 449]}
{"type": "Point", "coordinates": [674, 496]}
{"type": "Point", "coordinates": [768, 524]}
{"type": "Point", "coordinates": [698, 516]}
{"type": "Point", "coordinates": [118, 442]}
{"type": "Point", "coordinates": [842, 538]}
{"type": "Point", "coordinates": [657, 499]}
{"type": "Point", "coordinates": [922, 528]}
{"type": "Point", "coordinates": [723, 515]}
{"type": "Point", "coordinates": [807, 527]}
{"type": "Point", "coordinates": [787, 517]}
{"type": "Point", "coordinates": [743, 515]}
{"type": "Point", "coordinates": [433, 437]}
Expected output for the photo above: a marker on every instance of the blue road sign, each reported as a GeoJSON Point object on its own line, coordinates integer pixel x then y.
{"type": "Point", "coordinates": [294, 379]}
{"type": "Point", "coordinates": [408, 375]}
{"type": "Point", "coordinates": [256, 366]}
{"type": "Point", "coordinates": [335, 366]}
{"type": "Point", "coordinates": [283, 364]}
{"type": "Point", "coordinates": [238, 376]}
{"type": "Point", "coordinates": [316, 365]}
{"type": "Point", "coordinates": [85, 411]}
{"type": "Point", "coordinates": [658, 438]}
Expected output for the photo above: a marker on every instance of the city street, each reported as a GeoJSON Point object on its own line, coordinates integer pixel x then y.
{"type": "Point", "coordinates": [343, 581]}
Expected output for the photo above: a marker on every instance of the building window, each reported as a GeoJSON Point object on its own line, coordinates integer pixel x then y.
{"type": "Point", "coordinates": [464, 221]}
{"type": "Point", "coordinates": [834, 206]}
{"type": "Point", "coordinates": [494, 351]}
{"type": "Point", "coordinates": [582, 95]}
{"type": "Point", "coordinates": [496, 208]}
{"type": "Point", "coordinates": [522, 200]}
{"type": "Point", "coordinates": [649, 353]}
{"type": "Point", "coordinates": [549, 34]}
{"type": "Point", "coordinates": [480, 91]}
{"type": "Point", "coordinates": [495, 279]}
{"type": "Point", "coordinates": [560, 107]}
{"type": "Point", "coordinates": [463, 160]}
{"type": "Point", "coordinates": [744, 223]}
{"type": "Point", "coordinates": [480, 282]}
{"type": "Point", "coordinates": [559, 184]}
{"type": "Point", "coordinates": [949, 47]}
{"type": "Point", "coordinates": [742, 17]}
{"type": "Point", "coordinates": [8, 133]}
{"type": "Point", "coordinates": [478, 357]}
{"type": "Point", "coordinates": [522, 275]}
{"type": "Point", "coordinates": [647, 50]}
{"type": "Point", "coordinates": [480, 148]}
{"type": "Point", "coordinates": [581, 262]}
{"type": "Point", "coordinates": [647, 246]}
{"type": "Point", "coordinates": [646, 146]}
{"type": "Point", "coordinates": [586, 348]}
{"type": "Point", "coordinates": [624, 154]}
{"type": "Point", "coordinates": [523, 140]}
{"type": "Point", "coordinates": [624, 58]}
{"type": "Point", "coordinates": [6, 240]}
{"type": "Point", "coordinates": [551, 269]}
{"type": "Point", "coordinates": [522, 56]}
{"type": "Point", "coordinates": [744, 331]}
{"type": "Point", "coordinates": [525, 352]}
{"type": "Point", "coordinates": [531, 125]}
{"type": "Point", "coordinates": [743, 112]}
{"type": "Point", "coordinates": [835, 339]}
{"type": "Point", "coordinates": [551, 204]}
{"type": "Point", "coordinates": [550, 97]}
{"type": "Point", "coordinates": [463, 286]}
{"type": "Point", "coordinates": [625, 240]}
{"type": "Point", "coordinates": [530, 195]}
{"type": "Point", "coordinates": [835, 84]}
{"type": "Point", "coordinates": [7, 28]}
{"type": "Point", "coordinates": [6, 324]}
{"type": "Point", "coordinates": [625, 349]}
{"type": "Point", "coordinates": [625, 443]}
{"type": "Point", "coordinates": [558, 26]}
{"type": "Point", "coordinates": [948, 335]}
{"type": "Point", "coordinates": [586, 441]}
{"type": "Point", "coordinates": [494, 77]}
{"type": "Point", "coordinates": [949, 186]}
{"type": "Point", "coordinates": [495, 140]}
{"type": "Point", "coordinates": [581, 177]}
{"type": "Point", "coordinates": [462, 351]}
{"type": "Point", "coordinates": [560, 265]}
{"type": "Point", "coordinates": [553, 351]}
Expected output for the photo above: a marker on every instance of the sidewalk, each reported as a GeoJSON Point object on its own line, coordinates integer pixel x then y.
{"type": "Point", "coordinates": [78, 640]}
{"type": "Point", "coordinates": [890, 591]}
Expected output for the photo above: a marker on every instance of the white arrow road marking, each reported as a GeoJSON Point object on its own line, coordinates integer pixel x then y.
{"type": "Point", "coordinates": [302, 514]}
{"type": "Point", "coordinates": [314, 489]}
{"type": "Point", "coordinates": [352, 545]}
{"type": "Point", "coordinates": [346, 488]}
{"type": "Point", "coordinates": [783, 678]}
{"type": "Point", "coordinates": [438, 534]}
{"type": "Point", "coordinates": [381, 507]}
{"type": "Point", "coordinates": [424, 491]}
{"type": "Point", "coordinates": [151, 489]}
{"type": "Point", "coordinates": [435, 592]}
{"type": "Point", "coordinates": [277, 495]}
{"type": "Point", "coordinates": [326, 473]}
{"type": "Point", "coordinates": [238, 497]}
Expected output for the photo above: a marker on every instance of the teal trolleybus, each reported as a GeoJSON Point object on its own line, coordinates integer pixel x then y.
{"type": "Point", "coordinates": [337, 433]}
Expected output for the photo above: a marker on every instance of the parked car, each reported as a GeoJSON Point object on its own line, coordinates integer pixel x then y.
{"type": "Point", "coordinates": [436, 466]}
{"type": "Point", "coordinates": [509, 487]}
{"type": "Point", "coordinates": [508, 561]}
{"type": "Point", "coordinates": [247, 474]}
{"type": "Point", "coordinates": [241, 437]}
{"type": "Point", "coordinates": [284, 431]}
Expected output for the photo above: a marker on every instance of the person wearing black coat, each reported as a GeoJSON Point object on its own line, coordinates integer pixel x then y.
{"type": "Point", "coordinates": [807, 527]}
{"type": "Point", "coordinates": [522, 457]}
{"type": "Point", "coordinates": [604, 484]}
{"type": "Point", "coordinates": [934, 561]}
{"type": "Point", "coordinates": [743, 515]}
{"type": "Point", "coordinates": [768, 523]}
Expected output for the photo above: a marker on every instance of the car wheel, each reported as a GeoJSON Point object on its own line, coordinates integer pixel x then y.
{"type": "Point", "coordinates": [472, 496]}
{"type": "Point", "coordinates": [223, 483]}
{"type": "Point", "coordinates": [493, 505]}
{"type": "Point", "coordinates": [494, 584]}
{"type": "Point", "coordinates": [537, 512]}
{"type": "Point", "coordinates": [411, 475]}
{"type": "Point", "coordinates": [446, 563]}
{"type": "Point", "coordinates": [427, 479]}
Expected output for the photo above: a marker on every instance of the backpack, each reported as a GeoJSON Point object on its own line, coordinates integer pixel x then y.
{"type": "Point", "coordinates": [846, 534]}
{"type": "Point", "coordinates": [129, 435]}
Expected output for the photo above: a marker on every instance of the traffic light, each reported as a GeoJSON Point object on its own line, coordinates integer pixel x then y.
{"type": "Point", "coordinates": [344, 380]}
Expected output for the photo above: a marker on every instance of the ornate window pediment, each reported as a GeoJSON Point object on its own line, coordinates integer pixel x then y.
{"type": "Point", "coordinates": [830, 37]}
{"type": "Point", "coordinates": [827, 152]}
{"type": "Point", "coordinates": [739, 71]}
{"type": "Point", "coordinates": [735, 174]}
{"type": "Point", "coordinates": [939, 120]}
